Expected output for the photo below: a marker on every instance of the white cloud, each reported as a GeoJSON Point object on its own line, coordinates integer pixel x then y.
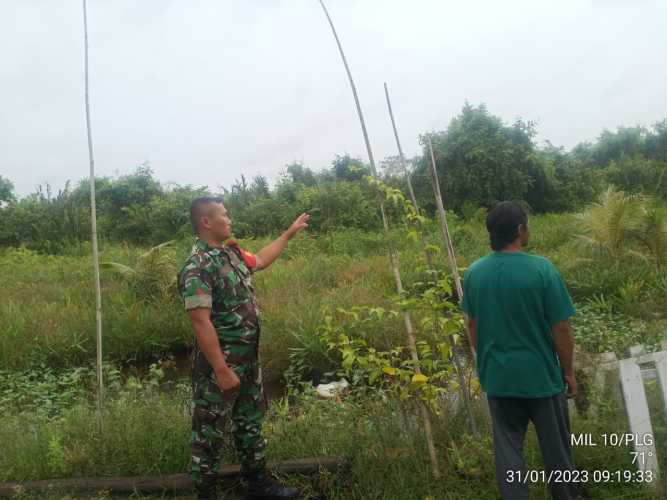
{"type": "Point", "coordinates": [206, 90]}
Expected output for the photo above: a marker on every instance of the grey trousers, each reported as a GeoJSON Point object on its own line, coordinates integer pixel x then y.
{"type": "Point", "coordinates": [510, 417]}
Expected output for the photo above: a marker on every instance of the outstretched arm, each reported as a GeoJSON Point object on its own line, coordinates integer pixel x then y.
{"type": "Point", "coordinates": [272, 251]}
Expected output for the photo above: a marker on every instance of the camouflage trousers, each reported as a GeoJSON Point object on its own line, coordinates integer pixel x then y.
{"type": "Point", "coordinates": [216, 416]}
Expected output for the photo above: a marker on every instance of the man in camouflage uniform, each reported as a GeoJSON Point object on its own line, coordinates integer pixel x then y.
{"type": "Point", "coordinates": [216, 288]}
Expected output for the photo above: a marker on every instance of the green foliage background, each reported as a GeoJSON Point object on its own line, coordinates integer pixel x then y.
{"type": "Point", "coordinates": [480, 160]}
{"type": "Point", "coordinates": [610, 254]}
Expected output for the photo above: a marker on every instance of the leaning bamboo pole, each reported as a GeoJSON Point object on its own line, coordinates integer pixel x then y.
{"type": "Point", "coordinates": [446, 238]}
{"type": "Point", "coordinates": [393, 257]}
{"type": "Point", "coordinates": [449, 247]}
{"type": "Point", "coordinates": [427, 254]}
{"type": "Point", "coordinates": [459, 371]}
{"type": "Point", "coordinates": [93, 223]}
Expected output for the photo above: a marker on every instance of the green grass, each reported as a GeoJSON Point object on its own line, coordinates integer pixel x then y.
{"type": "Point", "coordinates": [146, 431]}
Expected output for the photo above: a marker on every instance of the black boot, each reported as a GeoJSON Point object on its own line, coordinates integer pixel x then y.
{"type": "Point", "coordinates": [261, 486]}
{"type": "Point", "coordinates": [207, 489]}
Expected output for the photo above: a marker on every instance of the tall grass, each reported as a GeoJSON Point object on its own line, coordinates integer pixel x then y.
{"type": "Point", "coordinates": [47, 314]}
{"type": "Point", "coordinates": [47, 304]}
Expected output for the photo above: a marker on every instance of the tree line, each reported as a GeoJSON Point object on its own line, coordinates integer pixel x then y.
{"type": "Point", "coordinates": [480, 159]}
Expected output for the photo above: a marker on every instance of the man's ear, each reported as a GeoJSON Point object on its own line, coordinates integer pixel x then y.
{"type": "Point", "coordinates": [525, 232]}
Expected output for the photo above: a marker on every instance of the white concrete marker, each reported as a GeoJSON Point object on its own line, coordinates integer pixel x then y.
{"type": "Point", "coordinates": [639, 418]}
{"type": "Point", "coordinates": [661, 368]}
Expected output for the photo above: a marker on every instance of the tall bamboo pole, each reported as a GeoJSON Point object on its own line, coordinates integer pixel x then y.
{"type": "Point", "coordinates": [393, 257]}
{"type": "Point", "coordinates": [401, 156]}
{"type": "Point", "coordinates": [447, 240]}
{"type": "Point", "coordinates": [462, 381]}
{"type": "Point", "coordinates": [449, 247]}
{"type": "Point", "coordinates": [93, 222]}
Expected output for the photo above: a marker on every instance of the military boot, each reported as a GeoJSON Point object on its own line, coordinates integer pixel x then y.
{"type": "Point", "coordinates": [207, 489]}
{"type": "Point", "coordinates": [262, 487]}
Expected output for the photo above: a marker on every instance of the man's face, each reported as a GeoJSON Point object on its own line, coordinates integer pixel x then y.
{"type": "Point", "coordinates": [217, 222]}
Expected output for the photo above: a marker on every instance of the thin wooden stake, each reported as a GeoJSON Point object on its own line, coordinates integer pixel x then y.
{"type": "Point", "coordinates": [393, 256]}
{"type": "Point", "coordinates": [93, 221]}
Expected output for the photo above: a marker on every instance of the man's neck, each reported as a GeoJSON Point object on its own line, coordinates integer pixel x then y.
{"type": "Point", "coordinates": [513, 247]}
{"type": "Point", "coordinates": [211, 241]}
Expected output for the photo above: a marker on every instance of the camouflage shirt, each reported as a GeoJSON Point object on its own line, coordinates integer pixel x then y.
{"type": "Point", "coordinates": [219, 278]}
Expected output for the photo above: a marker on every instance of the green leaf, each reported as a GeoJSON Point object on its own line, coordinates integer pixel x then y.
{"type": "Point", "coordinates": [389, 370]}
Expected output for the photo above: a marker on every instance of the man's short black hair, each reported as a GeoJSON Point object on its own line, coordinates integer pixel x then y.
{"type": "Point", "coordinates": [198, 208]}
{"type": "Point", "coordinates": [503, 223]}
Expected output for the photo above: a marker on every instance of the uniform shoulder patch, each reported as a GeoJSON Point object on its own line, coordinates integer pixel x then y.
{"type": "Point", "coordinates": [249, 259]}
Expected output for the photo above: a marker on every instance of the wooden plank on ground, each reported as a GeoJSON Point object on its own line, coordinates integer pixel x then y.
{"type": "Point", "coordinates": [173, 482]}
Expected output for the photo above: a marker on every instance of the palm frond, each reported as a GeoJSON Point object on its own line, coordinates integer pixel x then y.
{"type": "Point", "coordinates": [156, 249]}
{"type": "Point", "coordinates": [653, 232]}
{"type": "Point", "coordinates": [610, 223]}
{"type": "Point", "coordinates": [121, 268]}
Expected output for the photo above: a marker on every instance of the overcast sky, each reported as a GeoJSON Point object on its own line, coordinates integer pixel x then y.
{"type": "Point", "coordinates": [205, 90]}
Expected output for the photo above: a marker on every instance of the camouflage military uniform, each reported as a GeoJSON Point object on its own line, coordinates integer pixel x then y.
{"type": "Point", "coordinates": [219, 278]}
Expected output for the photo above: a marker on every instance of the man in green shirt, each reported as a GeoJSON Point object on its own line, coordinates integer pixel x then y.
{"type": "Point", "coordinates": [519, 312]}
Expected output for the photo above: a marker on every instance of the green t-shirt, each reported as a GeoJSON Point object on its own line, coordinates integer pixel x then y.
{"type": "Point", "coordinates": [515, 299]}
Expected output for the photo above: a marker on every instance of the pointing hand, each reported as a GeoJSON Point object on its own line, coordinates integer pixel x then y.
{"type": "Point", "coordinates": [298, 225]}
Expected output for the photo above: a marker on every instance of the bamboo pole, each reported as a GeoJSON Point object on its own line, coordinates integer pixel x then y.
{"type": "Point", "coordinates": [459, 372]}
{"type": "Point", "coordinates": [93, 222]}
{"type": "Point", "coordinates": [393, 257]}
{"type": "Point", "coordinates": [449, 247]}
{"type": "Point", "coordinates": [447, 240]}
{"type": "Point", "coordinates": [401, 156]}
